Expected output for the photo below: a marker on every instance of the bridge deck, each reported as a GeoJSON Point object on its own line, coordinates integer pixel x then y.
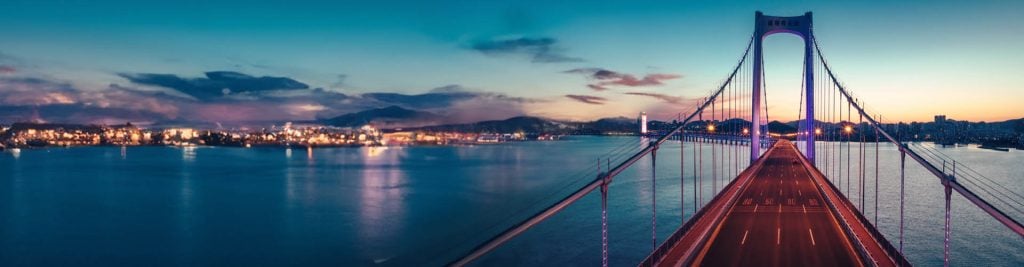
{"type": "Point", "coordinates": [778, 214]}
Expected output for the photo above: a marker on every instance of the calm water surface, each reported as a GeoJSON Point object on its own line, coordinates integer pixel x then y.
{"type": "Point", "coordinates": [411, 206]}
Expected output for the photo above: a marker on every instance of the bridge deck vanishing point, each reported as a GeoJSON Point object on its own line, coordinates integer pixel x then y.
{"type": "Point", "coordinates": [780, 212]}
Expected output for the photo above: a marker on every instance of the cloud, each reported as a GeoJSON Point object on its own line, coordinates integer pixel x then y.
{"type": "Point", "coordinates": [663, 97]}
{"type": "Point", "coordinates": [604, 79]}
{"type": "Point", "coordinates": [451, 88]}
{"type": "Point", "coordinates": [340, 83]}
{"type": "Point", "coordinates": [456, 103]}
{"type": "Point", "coordinates": [440, 97]}
{"type": "Point", "coordinates": [178, 101]}
{"type": "Point", "coordinates": [216, 83]}
{"type": "Point", "coordinates": [36, 99]}
{"type": "Point", "coordinates": [7, 69]}
{"type": "Point", "coordinates": [23, 91]}
{"type": "Point", "coordinates": [594, 100]}
{"type": "Point", "coordinates": [539, 50]}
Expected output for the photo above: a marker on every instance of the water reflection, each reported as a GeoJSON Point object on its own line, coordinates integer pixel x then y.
{"type": "Point", "coordinates": [374, 151]}
{"type": "Point", "coordinates": [16, 153]}
{"type": "Point", "coordinates": [188, 153]}
{"type": "Point", "coordinates": [382, 206]}
{"type": "Point", "coordinates": [186, 195]}
{"type": "Point", "coordinates": [289, 185]}
{"type": "Point", "coordinates": [643, 168]}
{"type": "Point", "coordinates": [288, 152]}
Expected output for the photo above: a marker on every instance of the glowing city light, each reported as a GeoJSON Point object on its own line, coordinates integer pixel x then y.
{"type": "Point", "coordinates": [848, 129]}
{"type": "Point", "coordinates": [745, 131]}
{"type": "Point", "coordinates": [711, 127]}
{"type": "Point", "coordinates": [817, 131]}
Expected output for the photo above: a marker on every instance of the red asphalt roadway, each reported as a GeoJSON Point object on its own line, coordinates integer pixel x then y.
{"type": "Point", "coordinates": [777, 217]}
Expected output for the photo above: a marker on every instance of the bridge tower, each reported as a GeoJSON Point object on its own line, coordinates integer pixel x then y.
{"type": "Point", "coordinates": [763, 27]}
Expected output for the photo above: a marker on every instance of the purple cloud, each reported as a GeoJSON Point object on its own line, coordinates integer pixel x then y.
{"type": "Point", "coordinates": [216, 83]}
{"type": "Point", "coordinates": [589, 99]}
{"type": "Point", "coordinates": [606, 78]}
{"type": "Point", "coordinates": [663, 97]}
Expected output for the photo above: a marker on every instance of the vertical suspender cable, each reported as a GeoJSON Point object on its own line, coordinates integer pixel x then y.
{"type": "Point", "coordinates": [604, 217]}
{"type": "Point", "coordinates": [849, 152]}
{"type": "Point", "coordinates": [682, 172]}
{"type": "Point", "coordinates": [842, 140]}
{"type": "Point", "coordinates": [835, 136]}
{"type": "Point", "coordinates": [830, 102]}
{"type": "Point", "coordinates": [764, 100]}
{"type": "Point", "coordinates": [714, 158]}
{"type": "Point", "coordinates": [722, 144]}
{"type": "Point", "coordinates": [949, 192]}
{"type": "Point", "coordinates": [654, 199]}
{"type": "Point", "coordinates": [799, 119]}
{"type": "Point", "coordinates": [696, 190]}
{"type": "Point", "coordinates": [903, 162]}
{"type": "Point", "coordinates": [877, 139]}
{"type": "Point", "coordinates": [860, 130]}
{"type": "Point", "coordinates": [732, 128]}
{"type": "Point", "coordinates": [700, 147]}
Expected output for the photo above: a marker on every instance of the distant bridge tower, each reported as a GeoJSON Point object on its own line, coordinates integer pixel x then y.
{"type": "Point", "coordinates": [800, 26]}
{"type": "Point", "coordinates": [643, 123]}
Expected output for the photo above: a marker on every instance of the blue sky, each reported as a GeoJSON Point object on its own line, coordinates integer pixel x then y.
{"type": "Point", "coordinates": [507, 58]}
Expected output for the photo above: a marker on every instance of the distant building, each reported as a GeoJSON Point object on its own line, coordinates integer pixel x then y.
{"type": "Point", "coordinates": [942, 135]}
{"type": "Point", "coordinates": [643, 122]}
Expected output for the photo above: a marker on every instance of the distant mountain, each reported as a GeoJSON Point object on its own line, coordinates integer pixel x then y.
{"type": "Point", "coordinates": [607, 125]}
{"type": "Point", "coordinates": [780, 128]}
{"type": "Point", "coordinates": [393, 116]}
{"type": "Point", "coordinates": [515, 124]}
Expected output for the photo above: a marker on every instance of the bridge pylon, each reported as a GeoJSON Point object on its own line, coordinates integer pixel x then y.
{"type": "Point", "coordinates": [763, 27]}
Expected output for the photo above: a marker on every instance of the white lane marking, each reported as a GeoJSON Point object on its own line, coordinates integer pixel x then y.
{"type": "Point", "coordinates": [809, 232]}
{"type": "Point", "coordinates": [800, 192]}
{"type": "Point", "coordinates": [805, 208]}
{"type": "Point", "coordinates": [780, 192]}
{"type": "Point", "coordinates": [778, 236]}
{"type": "Point", "coordinates": [780, 207]}
{"type": "Point", "coordinates": [755, 207]}
{"type": "Point", "coordinates": [744, 241]}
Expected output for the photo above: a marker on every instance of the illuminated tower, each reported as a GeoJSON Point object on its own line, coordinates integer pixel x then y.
{"type": "Point", "coordinates": [643, 123]}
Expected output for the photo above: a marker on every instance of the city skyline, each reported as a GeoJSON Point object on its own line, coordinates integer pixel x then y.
{"type": "Point", "coordinates": [111, 62]}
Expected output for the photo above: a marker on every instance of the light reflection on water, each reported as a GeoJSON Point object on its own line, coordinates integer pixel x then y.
{"type": "Point", "coordinates": [380, 202]}
{"type": "Point", "coordinates": [397, 206]}
{"type": "Point", "coordinates": [188, 153]}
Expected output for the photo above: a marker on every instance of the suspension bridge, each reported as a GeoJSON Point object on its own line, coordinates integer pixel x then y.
{"type": "Point", "coordinates": [801, 199]}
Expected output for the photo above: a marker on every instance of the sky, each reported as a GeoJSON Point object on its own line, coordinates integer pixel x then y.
{"type": "Point", "coordinates": [236, 61]}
